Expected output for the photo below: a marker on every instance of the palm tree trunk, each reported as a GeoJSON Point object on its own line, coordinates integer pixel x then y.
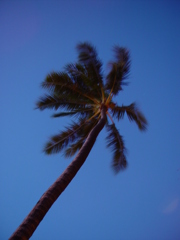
{"type": "Point", "coordinates": [31, 222]}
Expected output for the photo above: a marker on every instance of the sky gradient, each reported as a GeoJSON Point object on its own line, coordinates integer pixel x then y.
{"type": "Point", "coordinates": [140, 203]}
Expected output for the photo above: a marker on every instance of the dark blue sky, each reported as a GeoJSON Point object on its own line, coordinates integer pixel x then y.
{"type": "Point", "coordinates": [141, 203]}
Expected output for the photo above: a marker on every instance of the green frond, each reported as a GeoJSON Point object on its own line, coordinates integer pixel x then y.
{"type": "Point", "coordinates": [115, 141]}
{"type": "Point", "coordinates": [81, 77]}
{"type": "Point", "coordinates": [119, 70]}
{"type": "Point", "coordinates": [54, 81]}
{"type": "Point", "coordinates": [62, 85]}
{"type": "Point", "coordinates": [133, 113]}
{"type": "Point", "coordinates": [87, 56]}
{"type": "Point", "coordinates": [82, 135]}
{"type": "Point", "coordinates": [64, 114]}
{"type": "Point", "coordinates": [118, 111]}
{"type": "Point", "coordinates": [65, 102]}
{"type": "Point", "coordinates": [122, 56]}
{"type": "Point", "coordinates": [67, 88]}
{"type": "Point", "coordinates": [83, 112]}
{"type": "Point", "coordinates": [71, 151]}
{"type": "Point", "coordinates": [88, 127]}
{"type": "Point", "coordinates": [60, 141]}
{"type": "Point", "coordinates": [77, 132]}
{"type": "Point", "coordinates": [48, 102]}
{"type": "Point", "coordinates": [78, 73]}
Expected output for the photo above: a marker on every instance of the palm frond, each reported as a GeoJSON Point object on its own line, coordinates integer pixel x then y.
{"type": "Point", "coordinates": [56, 102]}
{"type": "Point", "coordinates": [119, 70]}
{"type": "Point", "coordinates": [122, 56]}
{"type": "Point", "coordinates": [81, 77]}
{"type": "Point", "coordinates": [74, 147]}
{"type": "Point", "coordinates": [82, 135]}
{"type": "Point", "coordinates": [62, 85]}
{"type": "Point", "coordinates": [60, 141]}
{"type": "Point", "coordinates": [115, 141]}
{"type": "Point", "coordinates": [78, 73]}
{"type": "Point", "coordinates": [54, 81]}
{"type": "Point", "coordinates": [71, 139]}
{"type": "Point", "coordinates": [133, 113]}
{"type": "Point", "coordinates": [87, 56]}
{"type": "Point", "coordinates": [118, 111]}
{"type": "Point", "coordinates": [83, 112]}
{"type": "Point", "coordinates": [48, 101]}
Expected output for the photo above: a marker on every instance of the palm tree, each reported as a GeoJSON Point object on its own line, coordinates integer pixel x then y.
{"type": "Point", "coordinates": [81, 91]}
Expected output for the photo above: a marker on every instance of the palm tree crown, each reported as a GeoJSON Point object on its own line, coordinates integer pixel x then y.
{"type": "Point", "coordinates": [81, 91]}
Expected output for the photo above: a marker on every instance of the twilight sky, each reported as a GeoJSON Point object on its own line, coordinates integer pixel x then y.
{"type": "Point", "coordinates": [140, 203]}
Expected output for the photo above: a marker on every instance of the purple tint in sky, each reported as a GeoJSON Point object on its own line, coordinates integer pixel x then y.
{"type": "Point", "coordinates": [143, 202]}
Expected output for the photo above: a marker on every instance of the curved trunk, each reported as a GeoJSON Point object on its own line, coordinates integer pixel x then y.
{"type": "Point", "coordinates": [31, 222]}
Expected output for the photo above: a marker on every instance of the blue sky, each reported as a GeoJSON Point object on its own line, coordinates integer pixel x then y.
{"type": "Point", "coordinates": [141, 203]}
